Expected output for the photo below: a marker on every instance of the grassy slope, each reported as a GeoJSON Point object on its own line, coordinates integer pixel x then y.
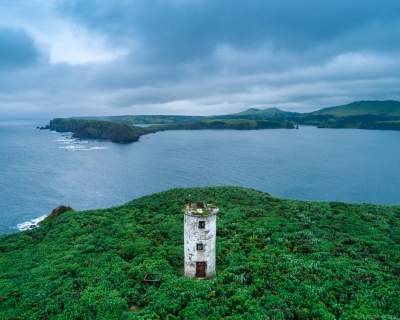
{"type": "Point", "coordinates": [260, 114]}
{"type": "Point", "coordinates": [360, 108]}
{"type": "Point", "coordinates": [276, 258]}
{"type": "Point", "coordinates": [146, 119]}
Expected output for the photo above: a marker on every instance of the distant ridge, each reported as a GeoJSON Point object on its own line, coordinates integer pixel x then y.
{"type": "Point", "coordinates": [373, 115]}
{"type": "Point", "coordinates": [268, 111]}
{"type": "Point", "coordinates": [388, 108]}
{"type": "Point", "coordinates": [259, 114]}
{"type": "Point", "coordinates": [357, 108]}
{"type": "Point", "coordinates": [362, 108]}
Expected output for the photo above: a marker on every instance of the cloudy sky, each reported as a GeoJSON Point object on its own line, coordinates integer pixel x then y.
{"type": "Point", "coordinates": [91, 57]}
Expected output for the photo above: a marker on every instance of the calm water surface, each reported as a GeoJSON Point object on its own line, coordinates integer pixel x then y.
{"type": "Point", "coordinates": [40, 170]}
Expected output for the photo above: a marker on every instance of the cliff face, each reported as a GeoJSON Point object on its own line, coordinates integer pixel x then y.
{"type": "Point", "coordinates": [275, 258]}
{"type": "Point", "coordinates": [94, 129]}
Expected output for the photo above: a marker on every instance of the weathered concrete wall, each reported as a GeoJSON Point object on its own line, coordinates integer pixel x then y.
{"type": "Point", "coordinates": [194, 235]}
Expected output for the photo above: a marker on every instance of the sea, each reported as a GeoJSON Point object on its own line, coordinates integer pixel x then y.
{"type": "Point", "coordinates": [41, 169]}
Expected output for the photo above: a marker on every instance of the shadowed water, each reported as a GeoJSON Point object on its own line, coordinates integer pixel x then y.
{"type": "Point", "coordinates": [40, 170]}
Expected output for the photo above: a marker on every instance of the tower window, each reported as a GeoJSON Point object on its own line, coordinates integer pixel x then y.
{"type": "Point", "coordinates": [200, 246]}
{"type": "Point", "coordinates": [202, 224]}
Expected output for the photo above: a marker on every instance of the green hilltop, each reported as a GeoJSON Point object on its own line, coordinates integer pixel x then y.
{"type": "Point", "coordinates": [254, 113]}
{"type": "Point", "coordinates": [362, 108]}
{"type": "Point", "coordinates": [389, 108]}
{"type": "Point", "coordinates": [276, 259]}
{"type": "Point", "coordinates": [372, 115]}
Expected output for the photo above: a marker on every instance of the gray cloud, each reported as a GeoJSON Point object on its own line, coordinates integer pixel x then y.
{"type": "Point", "coordinates": [17, 49]}
{"type": "Point", "coordinates": [186, 30]}
{"type": "Point", "coordinates": [208, 57]}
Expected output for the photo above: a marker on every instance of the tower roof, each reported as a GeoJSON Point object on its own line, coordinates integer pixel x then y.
{"type": "Point", "coordinates": [201, 209]}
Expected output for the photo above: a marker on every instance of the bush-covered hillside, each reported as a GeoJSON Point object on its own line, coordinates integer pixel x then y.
{"type": "Point", "coordinates": [232, 124]}
{"type": "Point", "coordinates": [277, 259]}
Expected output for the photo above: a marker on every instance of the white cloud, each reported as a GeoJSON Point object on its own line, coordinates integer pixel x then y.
{"type": "Point", "coordinates": [74, 45]}
{"type": "Point", "coordinates": [61, 40]}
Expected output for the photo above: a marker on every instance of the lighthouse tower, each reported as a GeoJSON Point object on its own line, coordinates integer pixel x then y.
{"type": "Point", "coordinates": [200, 230]}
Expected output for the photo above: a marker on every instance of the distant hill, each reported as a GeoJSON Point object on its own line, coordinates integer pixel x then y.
{"type": "Point", "coordinates": [361, 108]}
{"type": "Point", "coordinates": [371, 115]}
{"type": "Point", "coordinates": [276, 259]}
{"type": "Point", "coordinates": [259, 114]}
{"type": "Point", "coordinates": [264, 112]}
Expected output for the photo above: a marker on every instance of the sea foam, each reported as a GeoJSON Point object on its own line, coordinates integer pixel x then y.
{"type": "Point", "coordinates": [72, 144]}
{"type": "Point", "coordinates": [30, 224]}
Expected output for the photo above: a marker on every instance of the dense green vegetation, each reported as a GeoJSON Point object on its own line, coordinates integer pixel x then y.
{"type": "Point", "coordinates": [277, 259]}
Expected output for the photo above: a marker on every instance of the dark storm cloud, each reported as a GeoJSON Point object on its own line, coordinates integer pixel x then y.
{"type": "Point", "coordinates": [17, 49]}
{"type": "Point", "coordinates": [203, 56]}
{"type": "Point", "coordinates": [176, 30]}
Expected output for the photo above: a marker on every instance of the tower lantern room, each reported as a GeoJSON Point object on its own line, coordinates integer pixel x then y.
{"type": "Point", "coordinates": [200, 230]}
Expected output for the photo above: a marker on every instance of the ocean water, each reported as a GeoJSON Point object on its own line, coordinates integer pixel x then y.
{"type": "Point", "coordinates": [40, 170]}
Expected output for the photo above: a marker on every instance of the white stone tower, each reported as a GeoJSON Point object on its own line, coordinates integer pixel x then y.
{"type": "Point", "coordinates": [200, 231]}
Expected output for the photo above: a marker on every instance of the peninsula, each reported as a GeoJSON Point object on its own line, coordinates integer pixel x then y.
{"type": "Point", "coordinates": [125, 133]}
{"type": "Point", "coordinates": [373, 115]}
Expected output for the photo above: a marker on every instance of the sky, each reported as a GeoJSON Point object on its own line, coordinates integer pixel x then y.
{"type": "Point", "coordinates": [98, 57]}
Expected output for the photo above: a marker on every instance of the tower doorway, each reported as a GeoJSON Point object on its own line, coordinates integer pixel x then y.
{"type": "Point", "coordinates": [201, 269]}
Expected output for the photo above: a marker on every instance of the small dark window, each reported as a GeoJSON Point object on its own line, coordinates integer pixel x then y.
{"type": "Point", "coordinates": [202, 224]}
{"type": "Point", "coordinates": [200, 246]}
